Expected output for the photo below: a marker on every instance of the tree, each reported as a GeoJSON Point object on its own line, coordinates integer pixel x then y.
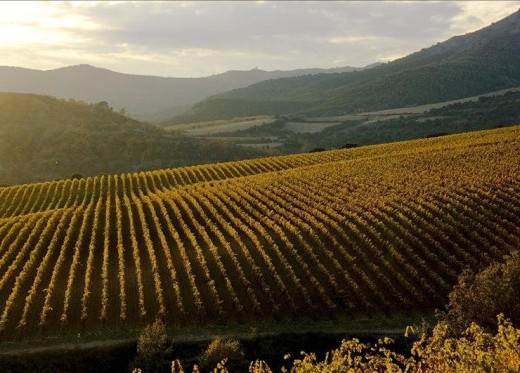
{"type": "Point", "coordinates": [480, 297]}
{"type": "Point", "coordinates": [103, 105]}
{"type": "Point", "coordinates": [152, 350]}
{"type": "Point", "coordinates": [220, 349]}
{"type": "Point", "coordinates": [349, 146]}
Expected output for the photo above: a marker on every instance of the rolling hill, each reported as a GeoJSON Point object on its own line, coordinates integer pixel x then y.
{"type": "Point", "coordinates": [143, 97]}
{"type": "Point", "coordinates": [463, 66]}
{"type": "Point", "coordinates": [471, 114]}
{"type": "Point", "coordinates": [375, 230]}
{"type": "Point", "coordinates": [43, 138]}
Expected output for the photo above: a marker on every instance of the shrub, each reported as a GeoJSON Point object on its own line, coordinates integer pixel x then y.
{"type": "Point", "coordinates": [474, 352]}
{"type": "Point", "coordinates": [152, 350]}
{"type": "Point", "coordinates": [220, 349]}
{"type": "Point", "coordinates": [349, 146]}
{"type": "Point", "coordinates": [480, 297]}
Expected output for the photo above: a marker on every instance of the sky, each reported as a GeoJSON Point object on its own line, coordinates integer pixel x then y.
{"type": "Point", "coordinates": [192, 39]}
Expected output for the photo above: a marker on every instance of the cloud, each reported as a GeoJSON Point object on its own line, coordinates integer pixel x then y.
{"type": "Point", "coordinates": [204, 38]}
{"type": "Point", "coordinates": [475, 15]}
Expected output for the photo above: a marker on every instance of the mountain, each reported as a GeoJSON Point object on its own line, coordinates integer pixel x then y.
{"type": "Point", "coordinates": [468, 65]}
{"type": "Point", "coordinates": [143, 97]}
{"type": "Point", "coordinates": [44, 138]}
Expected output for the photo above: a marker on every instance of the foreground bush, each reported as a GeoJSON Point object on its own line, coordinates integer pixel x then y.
{"type": "Point", "coordinates": [220, 349]}
{"type": "Point", "coordinates": [480, 297]}
{"type": "Point", "coordinates": [476, 351]}
{"type": "Point", "coordinates": [152, 350]}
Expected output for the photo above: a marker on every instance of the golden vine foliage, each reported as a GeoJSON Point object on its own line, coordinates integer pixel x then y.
{"type": "Point", "coordinates": [376, 230]}
{"type": "Point", "coordinates": [474, 352]}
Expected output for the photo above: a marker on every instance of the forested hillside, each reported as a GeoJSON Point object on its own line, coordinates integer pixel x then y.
{"type": "Point", "coordinates": [463, 66]}
{"type": "Point", "coordinates": [376, 230]}
{"type": "Point", "coordinates": [485, 113]}
{"type": "Point", "coordinates": [43, 138]}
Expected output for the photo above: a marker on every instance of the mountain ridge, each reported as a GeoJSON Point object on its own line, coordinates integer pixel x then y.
{"type": "Point", "coordinates": [462, 66]}
{"type": "Point", "coordinates": [145, 97]}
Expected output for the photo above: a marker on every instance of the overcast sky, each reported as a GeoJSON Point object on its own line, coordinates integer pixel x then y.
{"type": "Point", "coordinates": [188, 39]}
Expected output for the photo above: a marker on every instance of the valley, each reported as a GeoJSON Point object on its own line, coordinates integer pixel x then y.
{"type": "Point", "coordinates": [198, 214]}
{"type": "Point", "coordinates": [296, 133]}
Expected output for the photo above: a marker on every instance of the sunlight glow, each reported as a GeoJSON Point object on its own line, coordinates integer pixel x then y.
{"type": "Point", "coordinates": [44, 23]}
{"type": "Point", "coordinates": [181, 38]}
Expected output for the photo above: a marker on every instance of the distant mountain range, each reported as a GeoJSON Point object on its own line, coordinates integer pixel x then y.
{"type": "Point", "coordinates": [483, 61]}
{"type": "Point", "coordinates": [143, 97]}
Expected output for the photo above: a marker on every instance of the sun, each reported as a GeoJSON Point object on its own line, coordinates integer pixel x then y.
{"type": "Point", "coordinates": [26, 23]}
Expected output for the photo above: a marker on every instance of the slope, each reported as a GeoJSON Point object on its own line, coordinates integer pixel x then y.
{"type": "Point", "coordinates": [353, 233]}
{"type": "Point", "coordinates": [43, 138]}
{"type": "Point", "coordinates": [463, 66]}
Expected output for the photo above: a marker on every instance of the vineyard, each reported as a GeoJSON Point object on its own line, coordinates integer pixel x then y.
{"type": "Point", "coordinates": [377, 230]}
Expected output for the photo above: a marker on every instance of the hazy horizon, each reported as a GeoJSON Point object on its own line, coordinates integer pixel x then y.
{"type": "Point", "coordinates": [154, 75]}
{"type": "Point", "coordinates": [195, 39]}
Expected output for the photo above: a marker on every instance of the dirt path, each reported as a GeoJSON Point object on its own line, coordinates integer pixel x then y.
{"type": "Point", "coordinates": [67, 346]}
{"type": "Point", "coordinates": [185, 338]}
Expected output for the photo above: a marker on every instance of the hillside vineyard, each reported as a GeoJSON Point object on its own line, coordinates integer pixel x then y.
{"type": "Point", "coordinates": [377, 230]}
